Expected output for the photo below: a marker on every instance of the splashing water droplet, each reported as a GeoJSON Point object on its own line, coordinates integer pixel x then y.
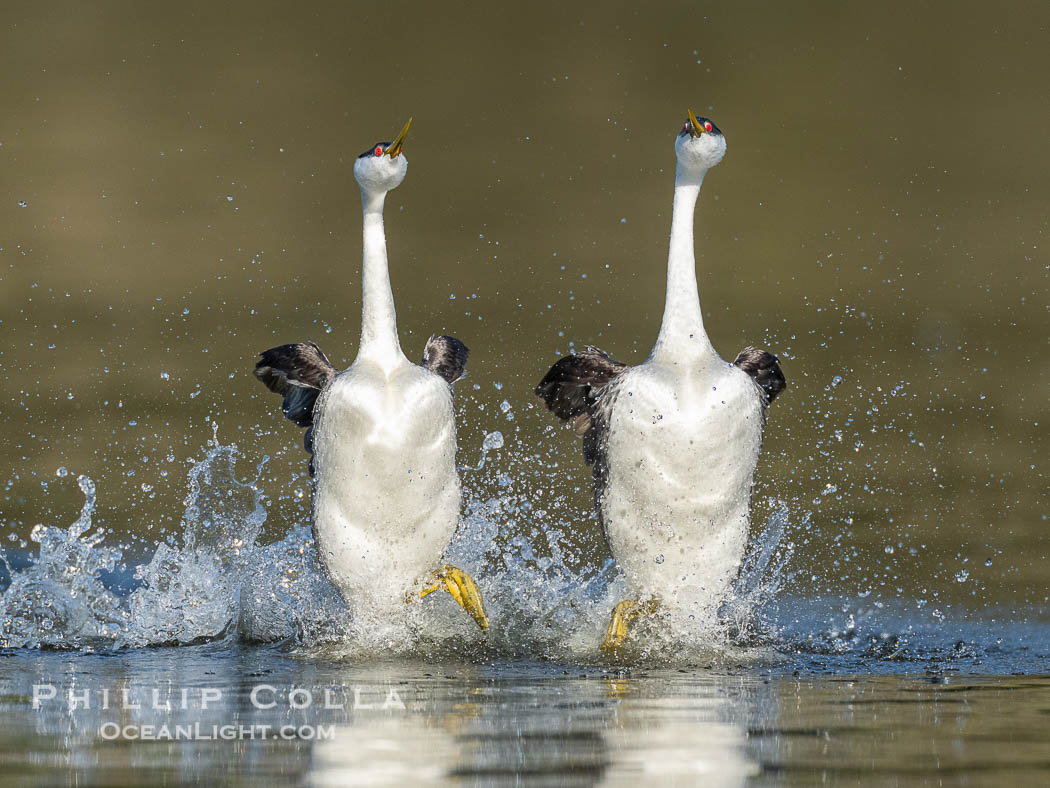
{"type": "Point", "coordinates": [493, 440]}
{"type": "Point", "coordinates": [62, 472]}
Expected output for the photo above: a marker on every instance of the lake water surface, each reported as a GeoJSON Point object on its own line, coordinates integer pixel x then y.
{"type": "Point", "coordinates": [797, 722]}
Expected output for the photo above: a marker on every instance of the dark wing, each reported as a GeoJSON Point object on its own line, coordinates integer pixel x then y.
{"type": "Point", "coordinates": [446, 356]}
{"type": "Point", "coordinates": [579, 390]}
{"type": "Point", "coordinates": [298, 373]}
{"type": "Point", "coordinates": [764, 369]}
{"type": "Point", "coordinates": [573, 387]}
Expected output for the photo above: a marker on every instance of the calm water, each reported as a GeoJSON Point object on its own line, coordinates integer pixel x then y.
{"type": "Point", "coordinates": [177, 196]}
{"type": "Point", "coordinates": [520, 722]}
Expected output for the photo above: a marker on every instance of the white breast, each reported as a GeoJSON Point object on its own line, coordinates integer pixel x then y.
{"type": "Point", "coordinates": [387, 497]}
{"type": "Point", "coordinates": [682, 446]}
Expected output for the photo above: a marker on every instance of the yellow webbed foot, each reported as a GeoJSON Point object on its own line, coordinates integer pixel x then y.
{"type": "Point", "coordinates": [623, 615]}
{"type": "Point", "coordinates": [462, 588]}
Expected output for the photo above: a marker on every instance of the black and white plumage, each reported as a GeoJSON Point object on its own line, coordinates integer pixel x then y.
{"type": "Point", "coordinates": [300, 371]}
{"type": "Point", "coordinates": [673, 441]}
{"type": "Point", "coordinates": [382, 435]}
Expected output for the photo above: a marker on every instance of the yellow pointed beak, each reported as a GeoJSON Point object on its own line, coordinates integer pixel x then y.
{"type": "Point", "coordinates": [694, 125]}
{"type": "Point", "coordinates": [394, 149]}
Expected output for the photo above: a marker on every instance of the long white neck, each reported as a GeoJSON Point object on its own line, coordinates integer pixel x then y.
{"type": "Point", "coordinates": [682, 336]}
{"type": "Point", "coordinates": [379, 341]}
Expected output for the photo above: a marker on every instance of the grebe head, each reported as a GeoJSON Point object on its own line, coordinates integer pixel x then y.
{"type": "Point", "coordinates": [699, 146]}
{"type": "Point", "coordinates": [383, 166]}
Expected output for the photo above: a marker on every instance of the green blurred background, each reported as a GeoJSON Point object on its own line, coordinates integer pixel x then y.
{"type": "Point", "coordinates": [177, 195]}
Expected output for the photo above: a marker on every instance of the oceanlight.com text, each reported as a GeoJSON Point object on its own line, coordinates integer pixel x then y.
{"type": "Point", "coordinates": [110, 731]}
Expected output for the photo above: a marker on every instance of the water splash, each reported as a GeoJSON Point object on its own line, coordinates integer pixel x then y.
{"type": "Point", "coordinates": [61, 600]}
{"type": "Point", "coordinates": [543, 598]}
{"type": "Point", "coordinates": [761, 576]}
{"type": "Point", "coordinates": [186, 593]}
{"type": "Point", "coordinates": [192, 592]}
{"type": "Point", "coordinates": [540, 602]}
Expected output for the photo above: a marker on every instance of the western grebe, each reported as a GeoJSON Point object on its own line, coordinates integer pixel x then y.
{"type": "Point", "coordinates": [382, 435]}
{"type": "Point", "coordinates": [673, 441]}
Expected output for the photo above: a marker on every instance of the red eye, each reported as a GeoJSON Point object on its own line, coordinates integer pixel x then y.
{"type": "Point", "coordinates": [379, 150]}
{"type": "Point", "coordinates": [707, 125]}
{"type": "Point", "coordinates": [685, 126]}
